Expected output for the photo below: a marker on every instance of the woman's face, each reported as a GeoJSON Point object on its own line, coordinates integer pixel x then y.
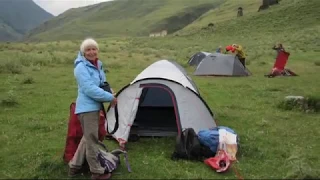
{"type": "Point", "coordinates": [91, 53]}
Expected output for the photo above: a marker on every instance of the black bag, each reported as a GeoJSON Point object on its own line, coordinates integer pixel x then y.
{"type": "Point", "coordinates": [188, 147]}
{"type": "Point", "coordinates": [106, 87]}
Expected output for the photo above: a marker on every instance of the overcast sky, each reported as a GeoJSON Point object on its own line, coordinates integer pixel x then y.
{"type": "Point", "coordinates": [57, 7]}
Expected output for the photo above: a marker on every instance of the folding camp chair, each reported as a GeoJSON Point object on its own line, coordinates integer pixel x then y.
{"type": "Point", "coordinates": [279, 66]}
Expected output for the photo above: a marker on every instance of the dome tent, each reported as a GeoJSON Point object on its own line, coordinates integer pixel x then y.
{"type": "Point", "coordinates": [218, 64]}
{"type": "Point", "coordinates": [161, 101]}
{"type": "Point", "coordinates": [197, 58]}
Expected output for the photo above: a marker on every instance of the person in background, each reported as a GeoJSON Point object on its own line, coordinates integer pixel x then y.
{"type": "Point", "coordinates": [219, 50]}
{"type": "Point", "coordinates": [90, 77]}
{"type": "Point", "coordinates": [278, 47]}
{"type": "Point", "coordinates": [240, 53]}
{"type": "Point", "coordinates": [230, 48]}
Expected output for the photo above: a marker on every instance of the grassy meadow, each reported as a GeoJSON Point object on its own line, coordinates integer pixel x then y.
{"type": "Point", "coordinates": [37, 87]}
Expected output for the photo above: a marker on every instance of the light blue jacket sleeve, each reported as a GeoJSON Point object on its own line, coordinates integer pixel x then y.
{"type": "Point", "coordinates": [88, 87]}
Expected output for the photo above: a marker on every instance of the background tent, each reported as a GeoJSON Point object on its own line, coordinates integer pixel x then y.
{"type": "Point", "coordinates": [197, 58]}
{"type": "Point", "coordinates": [161, 101]}
{"type": "Point", "coordinates": [221, 65]}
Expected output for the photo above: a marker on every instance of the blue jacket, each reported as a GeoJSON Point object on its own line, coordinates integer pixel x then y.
{"type": "Point", "coordinates": [89, 78]}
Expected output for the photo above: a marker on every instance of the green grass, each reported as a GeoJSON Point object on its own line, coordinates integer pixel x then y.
{"type": "Point", "coordinates": [38, 87]}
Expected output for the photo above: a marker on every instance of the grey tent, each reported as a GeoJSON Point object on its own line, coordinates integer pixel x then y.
{"type": "Point", "coordinates": [197, 58]}
{"type": "Point", "coordinates": [161, 101]}
{"type": "Point", "coordinates": [221, 65]}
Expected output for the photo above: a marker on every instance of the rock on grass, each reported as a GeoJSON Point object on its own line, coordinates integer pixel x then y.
{"type": "Point", "coordinates": [305, 104]}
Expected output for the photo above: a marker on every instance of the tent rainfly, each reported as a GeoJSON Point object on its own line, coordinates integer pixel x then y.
{"type": "Point", "coordinates": [197, 58]}
{"type": "Point", "coordinates": [217, 64]}
{"type": "Point", "coordinates": [161, 101]}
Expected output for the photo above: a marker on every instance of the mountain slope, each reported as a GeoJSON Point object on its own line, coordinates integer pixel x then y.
{"type": "Point", "coordinates": [287, 15]}
{"type": "Point", "coordinates": [7, 33]}
{"type": "Point", "coordinates": [18, 17]}
{"type": "Point", "coordinates": [122, 18]}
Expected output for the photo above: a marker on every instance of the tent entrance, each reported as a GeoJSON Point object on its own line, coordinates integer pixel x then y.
{"type": "Point", "coordinates": [156, 114]}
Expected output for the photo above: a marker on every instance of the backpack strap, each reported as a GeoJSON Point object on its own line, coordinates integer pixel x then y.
{"type": "Point", "coordinates": [116, 126]}
{"type": "Point", "coordinates": [127, 162]}
{"type": "Point", "coordinates": [117, 152]}
{"type": "Point", "coordinates": [186, 139]}
{"type": "Point", "coordinates": [180, 151]}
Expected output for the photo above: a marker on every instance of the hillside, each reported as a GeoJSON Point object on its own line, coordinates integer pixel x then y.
{"type": "Point", "coordinates": [122, 18]}
{"type": "Point", "coordinates": [288, 14]}
{"type": "Point", "coordinates": [18, 17]}
{"type": "Point", "coordinates": [7, 33]}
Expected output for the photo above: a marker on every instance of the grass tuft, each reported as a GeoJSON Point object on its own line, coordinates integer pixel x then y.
{"type": "Point", "coordinates": [299, 168]}
{"type": "Point", "coordinates": [10, 100]}
{"type": "Point", "coordinates": [11, 67]}
{"type": "Point", "coordinates": [28, 80]}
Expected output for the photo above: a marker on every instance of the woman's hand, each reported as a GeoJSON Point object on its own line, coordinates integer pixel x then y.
{"type": "Point", "coordinates": [114, 102]}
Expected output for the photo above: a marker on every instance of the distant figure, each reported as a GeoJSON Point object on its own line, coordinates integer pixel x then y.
{"type": "Point", "coordinates": [240, 53]}
{"type": "Point", "coordinates": [240, 12]}
{"type": "Point", "coordinates": [278, 47]}
{"type": "Point", "coordinates": [230, 48]}
{"type": "Point", "coordinates": [219, 50]}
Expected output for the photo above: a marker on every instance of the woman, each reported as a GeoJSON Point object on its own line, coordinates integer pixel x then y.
{"type": "Point", "coordinates": [90, 78]}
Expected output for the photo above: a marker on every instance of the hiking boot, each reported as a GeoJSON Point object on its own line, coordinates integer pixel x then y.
{"type": "Point", "coordinates": [100, 176]}
{"type": "Point", "coordinates": [74, 172]}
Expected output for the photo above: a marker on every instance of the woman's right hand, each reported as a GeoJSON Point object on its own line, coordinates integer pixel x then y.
{"type": "Point", "coordinates": [114, 102]}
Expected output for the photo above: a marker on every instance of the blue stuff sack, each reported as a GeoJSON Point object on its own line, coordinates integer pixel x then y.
{"type": "Point", "coordinates": [210, 137]}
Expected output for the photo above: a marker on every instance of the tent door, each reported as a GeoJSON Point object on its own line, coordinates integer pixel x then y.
{"type": "Point", "coordinates": [157, 112]}
{"type": "Point", "coordinates": [127, 107]}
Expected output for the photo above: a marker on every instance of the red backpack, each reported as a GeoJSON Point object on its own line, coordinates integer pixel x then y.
{"type": "Point", "coordinates": [75, 133]}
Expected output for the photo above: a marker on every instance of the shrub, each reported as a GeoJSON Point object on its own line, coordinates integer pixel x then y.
{"type": "Point", "coordinates": [10, 100]}
{"type": "Point", "coordinates": [262, 63]}
{"type": "Point", "coordinates": [11, 67]}
{"type": "Point", "coordinates": [28, 80]}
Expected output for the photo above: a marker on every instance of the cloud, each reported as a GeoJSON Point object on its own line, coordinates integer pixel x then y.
{"type": "Point", "coordinates": [57, 7]}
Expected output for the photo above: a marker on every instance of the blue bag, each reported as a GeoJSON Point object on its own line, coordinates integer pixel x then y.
{"type": "Point", "coordinates": [210, 137]}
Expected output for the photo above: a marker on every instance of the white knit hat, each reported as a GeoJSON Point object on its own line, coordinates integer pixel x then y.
{"type": "Point", "coordinates": [87, 43]}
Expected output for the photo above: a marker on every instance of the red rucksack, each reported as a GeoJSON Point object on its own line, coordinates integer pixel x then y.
{"type": "Point", "coordinates": [75, 133]}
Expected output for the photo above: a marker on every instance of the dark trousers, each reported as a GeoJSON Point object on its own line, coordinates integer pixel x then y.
{"type": "Point", "coordinates": [243, 61]}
